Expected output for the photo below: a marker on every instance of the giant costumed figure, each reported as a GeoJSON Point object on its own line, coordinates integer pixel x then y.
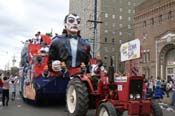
{"type": "Point", "coordinates": [71, 48]}
{"type": "Point", "coordinates": [46, 76]}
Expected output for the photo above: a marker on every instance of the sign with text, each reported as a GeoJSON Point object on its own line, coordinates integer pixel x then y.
{"type": "Point", "coordinates": [130, 50]}
{"type": "Point", "coordinates": [120, 79]}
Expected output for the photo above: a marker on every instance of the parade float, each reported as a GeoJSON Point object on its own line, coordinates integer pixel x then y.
{"type": "Point", "coordinates": [37, 83]}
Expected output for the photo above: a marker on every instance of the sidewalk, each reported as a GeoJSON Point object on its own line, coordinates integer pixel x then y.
{"type": "Point", "coordinates": [166, 99]}
{"type": "Point", "coordinates": [165, 104]}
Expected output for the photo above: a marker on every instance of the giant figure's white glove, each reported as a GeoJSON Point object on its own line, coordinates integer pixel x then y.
{"type": "Point", "coordinates": [56, 65]}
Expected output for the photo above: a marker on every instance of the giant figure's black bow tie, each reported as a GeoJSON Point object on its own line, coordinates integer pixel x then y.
{"type": "Point", "coordinates": [73, 36]}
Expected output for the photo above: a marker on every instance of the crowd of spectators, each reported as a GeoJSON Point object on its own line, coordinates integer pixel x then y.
{"type": "Point", "coordinates": [158, 89]}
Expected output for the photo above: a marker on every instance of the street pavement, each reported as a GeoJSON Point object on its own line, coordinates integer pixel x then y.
{"type": "Point", "coordinates": [164, 104]}
{"type": "Point", "coordinates": [20, 108]}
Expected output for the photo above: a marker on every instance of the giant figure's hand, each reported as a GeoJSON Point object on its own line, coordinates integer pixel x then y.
{"type": "Point", "coordinates": [56, 65]}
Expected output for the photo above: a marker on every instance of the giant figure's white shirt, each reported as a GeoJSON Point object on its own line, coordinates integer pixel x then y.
{"type": "Point", "coordinates": [74, 44]}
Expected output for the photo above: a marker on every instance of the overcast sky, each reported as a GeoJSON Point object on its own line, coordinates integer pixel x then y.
{"type": "Point", "coordinates": [21, 19]}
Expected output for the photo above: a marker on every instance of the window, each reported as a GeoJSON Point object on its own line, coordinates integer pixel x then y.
{"type": "Point", "coordinates": [144, 58]}
{"type": "Point", "coordinates": [106, 49]}
{"type": "Point", "coordinates": [170, 15]}
{"type": "Point", "coordinates": [112, 40]}
{"type": "Point", "coordinates": [129, 11]}
{"type": "Point", "coordinates": [113, 48]}
{"type": "Point", "coordinates": [160, 18]}
{"type": "Point", "coordinates": [120, 33]}
{"type": "Point", "coordinates": [113, 58]}
{"type": "Point", "coordinates": [113, 16]}
{"type": "Point", "coordinates": [144, 23]}
{"type": "Point", "coordinates": [129, 26]}
{"type": "Point", "coordinates": [152, 21]}
{"type": "Point", "coordinates": [106, 15]}
{"type": "Point", "coordinates": [170, 57]}
{"type": "Point", "coordinates": [134, 4]}
{"type": "Point", "coordinates": [121, 9]}
{"type": "Point", "coordinates": [133, 11]}
{"type": "Point", "coordinates": [145, 35]}
{"type": "Point", "coordinates": [147, 56]}
{"type": "Point", "coordinates": [120, 17]}
{"type": "Point", "coordinates": [120, 41]}
{"type": "Point", "coordinates": [129, 3]}
{"type": "Point", "coordinates": [113, 24]}
{"type": "Point", "coordinates": [105, 39]}
{"type": "Point", "coordinates": [129, 34]}
{"type": "Point", "coordinates": [120, 25]}
{"type": "Point", "coordinates": [170, 70]}
{"type": "Point", "coordinates": [106, 23]}
{"type": "Point", "coordinates": [106, 31]}
{"type": "Point", "coordinates": [129, 18]}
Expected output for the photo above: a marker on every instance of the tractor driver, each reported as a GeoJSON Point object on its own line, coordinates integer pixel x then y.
{"type": "Point", "coordinates": [71, 49]}
{"type": "Point", "coordinates": [95, 71]}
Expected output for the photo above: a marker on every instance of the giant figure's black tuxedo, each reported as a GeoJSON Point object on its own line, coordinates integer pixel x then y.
{"type": "Point", "coordinates": [60, 49]}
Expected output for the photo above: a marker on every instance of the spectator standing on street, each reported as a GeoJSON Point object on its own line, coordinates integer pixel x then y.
{"type": "Point", "coordinates": [145, 88]}
{"type": "Point", "coordinates": [172, 103]}
{"type": "Point", "coordinates": [1, 84]}
{"type": "Point", "coordinates": [1, 81]}
{"type": "Point", "coordinates": [169, 85]}
{"type": "Point", "coordinates": [150, 86]}
{"type": "Point", "coordinates": [13, 89]}
{"type": "Point", "coordinates": [5, 90]}
{"type": "Point", "coordinates": [157, 83]}
{"type": "Point", "coordinates": [163, 86]}
{"type": "Point", "coordinates": [158, 93]}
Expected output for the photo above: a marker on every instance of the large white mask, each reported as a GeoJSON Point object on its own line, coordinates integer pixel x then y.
{"type": "Point", "coordinates": [72, 24]}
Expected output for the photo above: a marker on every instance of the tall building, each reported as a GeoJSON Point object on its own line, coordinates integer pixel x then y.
{"type": "Point", "coordinates": [114, 25]}
{"type": "Point", "coordinates": [155, 27]}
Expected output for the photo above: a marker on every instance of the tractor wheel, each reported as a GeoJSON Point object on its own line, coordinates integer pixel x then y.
{"type": "Point", "coordinates": [155, 109]}
{"type": "Point", "coordinates": [106, 109]}
{"type": "Point", "coordinates": [77, 98]}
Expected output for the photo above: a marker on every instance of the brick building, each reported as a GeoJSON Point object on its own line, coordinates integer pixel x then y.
{"type": "Point", "coordinates": [154, 25]}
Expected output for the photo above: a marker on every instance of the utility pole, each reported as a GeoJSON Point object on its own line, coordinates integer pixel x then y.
{"type": "Point", "coordinates": [95, 27]}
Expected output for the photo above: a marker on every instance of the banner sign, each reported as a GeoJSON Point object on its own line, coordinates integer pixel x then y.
{"type": "Point", "coordinates": [130, 50]}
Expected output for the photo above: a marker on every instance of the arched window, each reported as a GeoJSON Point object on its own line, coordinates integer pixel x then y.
{"type": "Point", "coordinates": [170, 57]}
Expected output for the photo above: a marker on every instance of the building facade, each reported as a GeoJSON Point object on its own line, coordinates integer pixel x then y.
{"type": "Point", "coordinates": [115, 27]}
{"type": "Point", "coordinates": [154, 25]}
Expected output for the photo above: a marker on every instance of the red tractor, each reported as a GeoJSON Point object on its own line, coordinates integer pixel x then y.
{"type": "Point", "coordinates": [113, 95]}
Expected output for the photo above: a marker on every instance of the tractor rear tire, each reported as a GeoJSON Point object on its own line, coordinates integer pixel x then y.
{"type": "Point", "coordinates": [106, 109]}
{"type": "Point", "coordinates": [155, 109]}
{"type": "Point", "coordinates": [77, 99]}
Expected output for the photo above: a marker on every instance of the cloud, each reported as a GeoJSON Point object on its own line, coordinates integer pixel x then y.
{"type": "Point", "coordinates": [21, 19]}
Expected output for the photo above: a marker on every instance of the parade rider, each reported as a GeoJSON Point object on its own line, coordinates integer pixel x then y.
{"type": "Point", "coordinates": [70, 49]}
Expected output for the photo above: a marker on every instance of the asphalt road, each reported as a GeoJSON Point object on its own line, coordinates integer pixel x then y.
{"type": "Point", "coordinates": [20, 108]}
